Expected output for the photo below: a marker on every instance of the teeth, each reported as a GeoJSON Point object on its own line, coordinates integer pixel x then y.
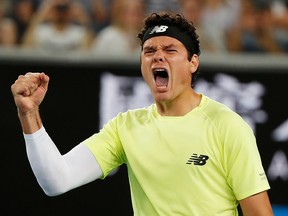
{"type": "Point", "coordinates": [159, 69]}
{"type": "Point", "coordinates": [162, 87]}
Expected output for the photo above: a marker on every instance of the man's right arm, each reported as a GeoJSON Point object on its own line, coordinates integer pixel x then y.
{"type": "Point", "coordinates": [55, 173]}
{"type": "Point", "coordinates": [29, 91]}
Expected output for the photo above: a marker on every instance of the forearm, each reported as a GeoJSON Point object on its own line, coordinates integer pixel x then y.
{"type": "Point", "coordinates": [30, 122]}
{"type": "Point", "coordinates": [56, 173]}
{"type": "Point", "coordinates": [43, 157]}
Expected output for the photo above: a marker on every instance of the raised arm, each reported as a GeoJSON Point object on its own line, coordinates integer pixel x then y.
{"type": "Point", "coordinates": [55, 173]}
{"type": "Point", "coordinates": [29, 91]}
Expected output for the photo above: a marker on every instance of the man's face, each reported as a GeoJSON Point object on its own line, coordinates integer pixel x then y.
{"type": "Point", "coordinates": [166, 69]}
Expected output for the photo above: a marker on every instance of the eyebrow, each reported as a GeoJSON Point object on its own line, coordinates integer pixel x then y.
{"type": "Point", "coordinates": [163, 47]}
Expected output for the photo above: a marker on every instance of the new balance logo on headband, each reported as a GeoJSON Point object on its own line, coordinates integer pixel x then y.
{"type": "Point", "coordinates": [159, 29]}
{"type": "Point", "coordinates": [172, 31]}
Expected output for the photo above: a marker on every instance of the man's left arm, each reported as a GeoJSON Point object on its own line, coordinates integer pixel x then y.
{"type": "Point", "coordinates": [257, 205]}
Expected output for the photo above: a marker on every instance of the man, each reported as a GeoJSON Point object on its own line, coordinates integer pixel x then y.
{"type": "Point", "coordinates": [186, 154]}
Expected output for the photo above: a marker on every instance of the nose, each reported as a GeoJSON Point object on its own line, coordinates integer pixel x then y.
{"type": "Point", "coordinates": [158, 56]}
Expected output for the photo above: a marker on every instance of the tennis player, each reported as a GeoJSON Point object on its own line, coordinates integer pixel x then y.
{"type": "Point", "coordinates": [186, 154]}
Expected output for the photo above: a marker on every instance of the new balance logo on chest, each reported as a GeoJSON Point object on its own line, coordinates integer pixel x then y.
{"type": "Point", "coordinates": [198, 160]}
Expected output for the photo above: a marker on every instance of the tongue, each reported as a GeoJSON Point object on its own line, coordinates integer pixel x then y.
{"type": "Point", "coordinates": [160, 81]}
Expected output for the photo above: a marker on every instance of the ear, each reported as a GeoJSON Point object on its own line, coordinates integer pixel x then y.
{"type": "Point", "coordinates": [194, 63]}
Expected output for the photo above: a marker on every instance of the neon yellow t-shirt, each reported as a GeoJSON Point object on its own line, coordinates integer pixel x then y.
{"type": "Point", "coordinates": [197, 164]}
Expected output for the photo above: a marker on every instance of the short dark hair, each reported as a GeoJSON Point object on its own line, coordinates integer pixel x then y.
{"type": "Point", "coordinates": [176, 20]}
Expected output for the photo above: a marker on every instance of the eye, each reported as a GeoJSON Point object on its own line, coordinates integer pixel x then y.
{"type": "Point", "coordinates": [171, 50]}
{"type": "Point", "coordinates": [148, 51]}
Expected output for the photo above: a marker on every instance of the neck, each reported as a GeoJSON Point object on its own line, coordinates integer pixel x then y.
{"type": "Point", "coordinates": [179, 107]}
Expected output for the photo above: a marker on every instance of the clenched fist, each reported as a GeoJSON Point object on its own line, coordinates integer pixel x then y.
{"type": "Point", "coordinates": [29, 91]}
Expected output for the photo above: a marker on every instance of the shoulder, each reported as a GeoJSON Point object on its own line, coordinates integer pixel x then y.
{"type": "Point", "coordinates": [136, 114]}
{"type": "Point", "coordinates": [221, 116]}
{"type": "Point", "coordinates": [216, 110]}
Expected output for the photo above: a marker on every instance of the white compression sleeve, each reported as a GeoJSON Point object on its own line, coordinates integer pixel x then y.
{"type": "Point", "coordinates": [56, 173]}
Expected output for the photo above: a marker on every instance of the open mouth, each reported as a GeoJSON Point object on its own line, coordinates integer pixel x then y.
{"type": "Point", "coordinates": [161, 77]}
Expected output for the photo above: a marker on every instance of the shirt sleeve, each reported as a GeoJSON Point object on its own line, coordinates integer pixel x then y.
{"type": "Point", "coordinates": [56, 173]}
{"type": "Point", "coordinates": [107, 147]}
{"type": "Point", "coordinates": [245, 172]}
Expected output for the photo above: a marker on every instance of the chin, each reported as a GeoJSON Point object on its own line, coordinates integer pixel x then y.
{"type": "Point", "coordinates": [161, 97]}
